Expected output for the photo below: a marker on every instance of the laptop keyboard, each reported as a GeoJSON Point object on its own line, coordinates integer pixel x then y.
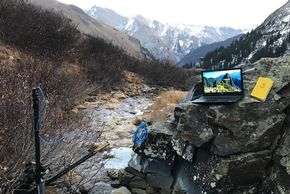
{"type": "Point", "coordinates": [219, 98]}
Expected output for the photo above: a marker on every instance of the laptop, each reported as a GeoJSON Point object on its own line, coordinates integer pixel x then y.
{"type": "Point", "coordinates": [221, 86]}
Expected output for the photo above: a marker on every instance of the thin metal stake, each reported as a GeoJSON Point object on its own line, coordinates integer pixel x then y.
{"type": "Point", "coordinates": [36, 135]}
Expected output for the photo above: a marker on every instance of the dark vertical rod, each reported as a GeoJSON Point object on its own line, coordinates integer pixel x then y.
{"type": "Point", "coordinates": [36, 135]}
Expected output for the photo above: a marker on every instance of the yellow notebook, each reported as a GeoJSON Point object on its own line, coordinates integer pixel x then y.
{"type": "Point", "coordinates": [262, 88]}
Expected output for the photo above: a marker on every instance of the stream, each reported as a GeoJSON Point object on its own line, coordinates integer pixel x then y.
{"type": "Point", "coordinates": [113, 118]}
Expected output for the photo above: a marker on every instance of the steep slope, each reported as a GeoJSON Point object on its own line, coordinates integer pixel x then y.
{"type": "Point", "coordinates": [270, 39]}
{"type": "Point", "coordinates": [163, 40]}
{"type": "Point", "coordinates": [108, 16]}
{"type": "Point", "coordinates": [194, 55]}
{"type": "Point", "coordinates": [88, 25]}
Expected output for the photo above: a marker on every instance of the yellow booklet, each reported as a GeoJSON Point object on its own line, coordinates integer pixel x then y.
{"type": "Point", "coordinates": [262, 88]}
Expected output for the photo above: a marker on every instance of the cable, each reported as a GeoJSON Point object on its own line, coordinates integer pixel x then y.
{"type": "Point", "coordinates": [141, 134]}
{"type": "Point", "coordinates": [43, 106]}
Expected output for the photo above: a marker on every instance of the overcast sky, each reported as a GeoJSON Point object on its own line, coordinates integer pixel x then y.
{"type": "Point", "coordinates": [234, 13]}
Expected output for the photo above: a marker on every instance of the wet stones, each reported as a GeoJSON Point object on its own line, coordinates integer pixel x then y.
{"type": "Point", "coordinates": [147, 175]}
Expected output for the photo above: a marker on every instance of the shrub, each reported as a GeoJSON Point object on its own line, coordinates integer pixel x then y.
{"type": "Point", "coordinates": [33, 29]}
{"type": "Point", "coordinates": [102, 62]}
{"type": "Point", "coordinates": [17, 77]}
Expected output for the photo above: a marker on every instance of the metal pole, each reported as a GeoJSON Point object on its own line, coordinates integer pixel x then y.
{"type": "Point", "coordinates": [75, 164]}
{"type": "Point", "coordinates": [36, 135]}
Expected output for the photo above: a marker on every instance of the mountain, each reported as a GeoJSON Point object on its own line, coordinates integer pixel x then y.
{"type": "Point", "coordinates": [270, 39]}
{"type": "Point", "coordinates": [89, 25]}
{"type": "Point", "coordinates": [194, 55]}
{"type": "Point", "coordinates": [108, 16]}
{"type": "Point", "coordinates": [164, 41]}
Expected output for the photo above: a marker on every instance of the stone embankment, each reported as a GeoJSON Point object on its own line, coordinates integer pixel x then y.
{"type": "Point", "coordinates": [230, 149]}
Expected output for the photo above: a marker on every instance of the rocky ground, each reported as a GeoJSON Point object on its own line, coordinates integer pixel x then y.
{"type": "Point", "coordinates": [111, 117]}
{"type": "Point", "coordinates": [228, 149]}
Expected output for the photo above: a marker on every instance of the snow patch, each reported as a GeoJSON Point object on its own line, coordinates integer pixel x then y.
{"type": "Point", "coordinates": [121, 158]}
{"type": "Point", "coordinates": [130, 23]}
{"type": "Point", "coordinates": [286, 19]}
{"type": "Point", "coordinates": [181, 43]}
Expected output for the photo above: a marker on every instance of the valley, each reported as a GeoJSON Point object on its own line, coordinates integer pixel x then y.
{"type": "Point", "coordinates": [164, 41]}
{"type": "Point", "coordinates": [97, 76]}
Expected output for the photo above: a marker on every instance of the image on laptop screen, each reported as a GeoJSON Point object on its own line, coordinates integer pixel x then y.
{"type": "Point", "coordinates": [222, 81]}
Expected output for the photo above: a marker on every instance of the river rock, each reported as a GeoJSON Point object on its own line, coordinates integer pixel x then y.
{"type": "Point", "coordinates": [159, 180]}
{"type": "Point", "coordinates": [138, 191]}
{"type": "Point", "coordinates": [125, 177]}
{"type": "Point", "coordinates": [137, 182]}
{"type": "Point", "coordinates": [121, 190]}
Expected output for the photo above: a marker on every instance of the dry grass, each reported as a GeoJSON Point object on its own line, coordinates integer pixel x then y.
{"type": "Point", "coordinates": [164, 105]}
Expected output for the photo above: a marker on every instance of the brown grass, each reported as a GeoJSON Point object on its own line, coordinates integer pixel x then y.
{"type": "Point", "coordinates": [164, 105]}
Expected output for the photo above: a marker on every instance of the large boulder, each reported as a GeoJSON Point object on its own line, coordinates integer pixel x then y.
{"type": "Point", "coordinates": [246, 126]}
{"type": "Point", "coordinates": [231, 149]}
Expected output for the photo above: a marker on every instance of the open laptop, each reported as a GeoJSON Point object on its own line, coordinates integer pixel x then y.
{"type": "Point", "coordinates": [221, 86]}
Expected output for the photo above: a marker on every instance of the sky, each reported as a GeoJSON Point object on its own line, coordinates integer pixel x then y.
{"type": "Point", "coordinates": [216, 74]}
{"type": "Point", "coordinates": [242, 14]}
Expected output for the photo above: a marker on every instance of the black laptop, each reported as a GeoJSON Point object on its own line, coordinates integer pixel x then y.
{"type": "Point", "coordinates": [221, 86]}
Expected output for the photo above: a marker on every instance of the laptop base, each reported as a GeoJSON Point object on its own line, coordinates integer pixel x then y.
{"type": "Point", "coordinates": [216, 100]}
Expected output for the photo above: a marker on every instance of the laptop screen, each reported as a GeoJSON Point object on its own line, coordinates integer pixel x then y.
{"type": "Point", "coordinates": [227, 81]}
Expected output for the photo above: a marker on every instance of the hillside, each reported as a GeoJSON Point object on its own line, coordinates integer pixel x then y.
{"type": "Point", "coordinates": [194, 55]}
{"type": "Point", "coordinates": [164, 41]}
{"type": "Point", "coordinates": [88, 25]}
{"type": "Point", "coordinates": [270, 39]}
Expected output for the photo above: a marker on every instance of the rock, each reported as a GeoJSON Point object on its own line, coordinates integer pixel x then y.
{"type": "Point", "coordinates": [114, 100]}
{"type": "Point", "coordinates": [151, 190]}
{"type": "Point", "coordinates": [75, 111]}
{"type": "Point", "coordinates": [119, 95]}
{"type": "Point", "coordinates": [241, 127]}
{"type": "Point", "coordinates": [160, 167]}
{"type": "Point", "coordinates": [121, 190]}
{"type": "Point", "coordinates": [81, 106]}
{"type": "Point", "coordinates": [158, 144]}
{"type": "Point", "coordinates": [278, 182]}
{"type": "Point", "coordinates": [135, 172]}
{"type": "Point", "coordinates": [213, 173]}
{"type": "Point", "coordinates": [133, 112]}
{"type": "Point", "coordinates": [113, 173]}
{"type": "Point", "coordinates": [135, 162]}
{"type": "Point", "coordinates": [231, 149]}
{"type": "Point", "coordinates": [124, 177]}
{"type": "Point", "coordinates": [111, 106]}
{"type": "Point", "coordinates": [137, 182]}
{"type": "Point", "coordinates": [115, 183]}
{"type": "Point", "coordinates": [159, 180]}
{"type": "Point", "coordinates": [184, 178]}
{"type": "Point", "coordinates": [91, 99]}
{"type": "Point", "coordinates": [193, 125]}
{"type": "Point", "coordinates": [138, 191]}
{"type": "Point", "coordinates": [137, 121]}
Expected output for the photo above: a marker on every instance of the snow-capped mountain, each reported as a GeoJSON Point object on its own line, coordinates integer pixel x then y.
{"type": "Point", "coordinates": [164, 41]}
{"type": "Point", "coordinates": [108, 16]}
{"type": "Point", "coordinates": [89, 25]}
{"type": "Point", "coordinates": [270, 39]}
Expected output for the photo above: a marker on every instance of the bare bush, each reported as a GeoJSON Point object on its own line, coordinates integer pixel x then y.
{"type": "Point", "coordinates": [16, 126]}
{"type": "Point", "coordinates": [30, 28]}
